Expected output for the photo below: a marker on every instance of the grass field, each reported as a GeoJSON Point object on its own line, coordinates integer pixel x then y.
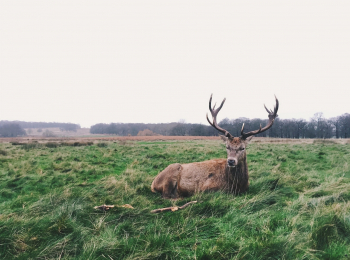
{"type": "Point", "coordinates": [297, 206]}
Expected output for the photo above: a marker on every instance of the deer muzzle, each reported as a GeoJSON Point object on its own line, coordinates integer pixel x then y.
{"type": "Point", "coordinates": [231, 162]}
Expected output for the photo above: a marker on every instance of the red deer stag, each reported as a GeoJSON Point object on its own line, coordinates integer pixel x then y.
{"type": "Point", "coordinates": [230, 175]}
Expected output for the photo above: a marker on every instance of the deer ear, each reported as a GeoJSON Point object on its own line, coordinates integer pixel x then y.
{"type": "Point", "coordinates": [224, 138]}
{"type": "Point", "coordinates": [249, 138]}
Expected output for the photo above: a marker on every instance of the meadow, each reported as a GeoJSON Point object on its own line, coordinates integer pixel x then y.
{"type": "Point", "coordinates": [297, 206]}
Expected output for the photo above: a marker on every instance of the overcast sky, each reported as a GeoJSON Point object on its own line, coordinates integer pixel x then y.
{"type": "Point", "coordinates": [91, 62]}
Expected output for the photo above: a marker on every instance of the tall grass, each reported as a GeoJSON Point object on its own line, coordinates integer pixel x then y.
{"type": "Point", "coordinates": [297, 206]}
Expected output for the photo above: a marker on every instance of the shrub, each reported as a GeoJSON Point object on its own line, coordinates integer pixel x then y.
{"type": "Point", "coordinates": [102, 144]}
{"type": "Point", "coordinates": [76, 143]}
{"type": "Point", "coordinates": [51, 145]}
{"type": "Point", "coordinates": [48, 133]}
{"type": "Point", "coordinates": [82, 143]}
{"type": "Point", "coordinates": [85, 143]}
{"type": "Point", "coordinates": [66, 144]}
{"type": "Point", "coordinates": [146, 132]}
{"type": "Point", "coordinates": [29, 146]}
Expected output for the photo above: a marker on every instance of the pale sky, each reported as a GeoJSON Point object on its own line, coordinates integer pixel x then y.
{"type": "Point", "coordinates": [91, 62]}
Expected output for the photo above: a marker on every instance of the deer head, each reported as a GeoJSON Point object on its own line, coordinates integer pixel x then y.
{"type": "Point", "coordinates": [236, 146]}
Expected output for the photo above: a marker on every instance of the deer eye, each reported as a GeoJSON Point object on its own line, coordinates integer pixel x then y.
{"type": "Point", "coordinates": [242, 149]}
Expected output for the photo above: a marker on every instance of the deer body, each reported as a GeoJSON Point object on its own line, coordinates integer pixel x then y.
{"type": "Point", "coordinates": [230, 175]}
{"type": "Point", "coordinates": [182, 180]}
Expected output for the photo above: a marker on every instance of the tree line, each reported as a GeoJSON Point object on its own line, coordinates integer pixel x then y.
{"type": "Point", "coordinates": [317, 127]}
{"type": "Point", "coordinates": [16, 128]}
{"type": "Point", "coordinates": [171, 129]}
{"type": "Point", "coordinates": [12, 130]}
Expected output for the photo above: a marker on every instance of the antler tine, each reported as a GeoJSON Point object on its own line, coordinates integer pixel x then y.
{"type": "Point", "coordinates": [268, 110]}
{"type": "Point", "coordinates": [271, 114]}
{"type": "Point", "coordinates": [277, 105]}
{"type": "Point", "coordinates": [242, 129]}
{"type": "Point", "coordinates": [214, 112]}
{"type": "Point", "coordinates": [211, 109]}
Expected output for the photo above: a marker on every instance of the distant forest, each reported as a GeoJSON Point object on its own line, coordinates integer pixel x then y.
{"type": "Point", "coordinates": [23, 124]}
{"type": "Point", "coordinates": [16, 128]}
{"type": "Point", "coordinates": [316, 127]}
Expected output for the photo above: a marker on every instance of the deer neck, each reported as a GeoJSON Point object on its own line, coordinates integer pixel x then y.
{"type": "Point", "coordinates": [237, 177]}
{"type": "Point", "coordinates": [240, 169]}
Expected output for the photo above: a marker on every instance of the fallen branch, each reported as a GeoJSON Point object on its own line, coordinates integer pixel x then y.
{"type": "Point", "coordinates": [107, 207]}
{"type": "Point", "coordinates": [104, 207]}
{"type": "Point", "coordinates": [173, 208]}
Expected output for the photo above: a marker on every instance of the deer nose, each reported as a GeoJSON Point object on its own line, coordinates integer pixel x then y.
{"type": "Point", "coordinates": [231, 162]}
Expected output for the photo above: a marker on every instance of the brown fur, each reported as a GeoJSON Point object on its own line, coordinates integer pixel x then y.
{"type": "Point", "coordinates": [181, 180]}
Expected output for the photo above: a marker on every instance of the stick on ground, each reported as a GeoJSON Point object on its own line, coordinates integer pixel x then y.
{"type": "Point", "coordinates": [107, 207]}
{"type": "Point", "coordinates": [104, 207]}
{"type": "Point", "coordinates": [173, 208]}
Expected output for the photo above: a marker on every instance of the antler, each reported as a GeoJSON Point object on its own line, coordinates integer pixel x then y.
{"type": "Point", "coordinates": [214, 112]}
{"type": "Point", "coordinates": [272, 116]}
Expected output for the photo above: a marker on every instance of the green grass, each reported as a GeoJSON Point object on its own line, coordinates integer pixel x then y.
{"type": "Point", "coordinates": [297, 206]}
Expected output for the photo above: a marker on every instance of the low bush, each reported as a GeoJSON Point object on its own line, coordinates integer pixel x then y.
{"type": "Point", "coordinates": [48, 133]}
{"type": "Point", "coordinates": [52, 145]}
{"type": "Point", "coordinates": [77, 143]}
{"type": "Point", "coordinates": [29, 146]}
